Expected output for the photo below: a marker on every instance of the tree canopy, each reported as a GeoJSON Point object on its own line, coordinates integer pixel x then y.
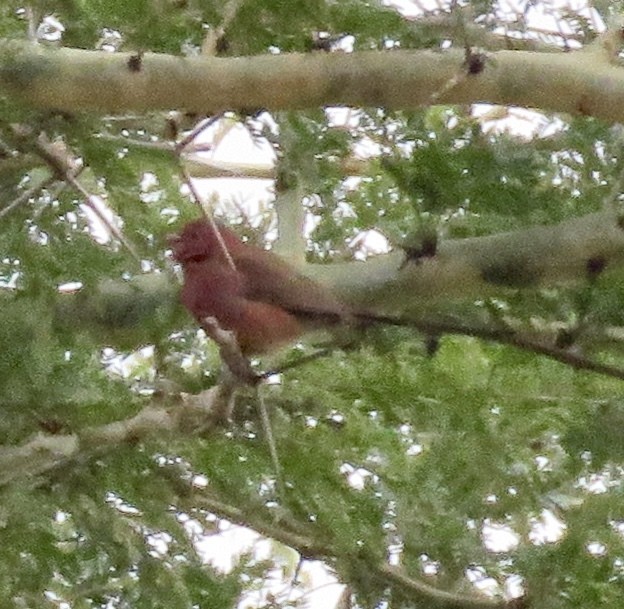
{"type": "Point", "coordinates": [455, 166]}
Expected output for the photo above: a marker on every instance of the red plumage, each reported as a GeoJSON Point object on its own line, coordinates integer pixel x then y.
{"type": "Point", "coordinates": [261, 298]}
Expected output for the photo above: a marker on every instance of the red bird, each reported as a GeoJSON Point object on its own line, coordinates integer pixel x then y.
{"type": "Point", "coordinates": [257, 295]}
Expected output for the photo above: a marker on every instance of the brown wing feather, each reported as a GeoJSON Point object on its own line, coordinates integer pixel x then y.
{"type": "Point", "coordinates": [286, 288]}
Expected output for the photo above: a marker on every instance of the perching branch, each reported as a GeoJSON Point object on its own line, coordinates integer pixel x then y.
{"type": "Point", "coordinates": [572, 251]}
{"type": "Point", "coordinates": [515, 338]}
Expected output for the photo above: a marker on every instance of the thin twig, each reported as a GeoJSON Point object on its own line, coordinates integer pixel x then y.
{"type": "Point", "coordinates": [209, 217]}
{"type": "Point", "coordinates": [65, 168]}
{"type": "Point", "coordinates": [268, 432]}
{"type": "Point", "coordinates": [91, 204]}
{"type": "Point", "coordinates": [506, 336]}
{"type": "Point", "coordinates": [301, 361]}
{"type": "Point", "coordinates": [179, 148]}
{"type": "Point", "coordinates": [200, 128]}
{"type": "Point", "coordinates": [230, 352]}
{"type": "Point", "coordinates": [503, 336]}
{"type": "Point", "coordinates": [27, 195]}
{"type": "Point", "coordinates": [239, 366]}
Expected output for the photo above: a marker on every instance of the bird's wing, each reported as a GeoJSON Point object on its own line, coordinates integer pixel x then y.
{"type": "Point", "coordinates": [280, 285]}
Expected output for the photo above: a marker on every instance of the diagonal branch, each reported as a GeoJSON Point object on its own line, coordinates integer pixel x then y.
{"type": "Point", "coordinates": [65, 168]}
{"type": "Point", "coordinates": [45, 453]}
{"type": "Point", "coordinates": [313, 544]}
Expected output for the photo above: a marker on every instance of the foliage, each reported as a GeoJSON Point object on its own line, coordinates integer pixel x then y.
{"type": "Point", "coordinates": [385, 449]}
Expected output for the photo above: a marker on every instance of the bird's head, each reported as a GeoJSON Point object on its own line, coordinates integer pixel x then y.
{"type": "Point", "coordinates": [198, 242]}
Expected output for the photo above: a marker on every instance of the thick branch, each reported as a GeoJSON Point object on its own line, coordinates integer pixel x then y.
{"type": "Point", "coordinates": [71, 80]}
{"type": "Point", "coordinates": [542, 256]}
{"type": "Point", "coordinates": [572, 251]}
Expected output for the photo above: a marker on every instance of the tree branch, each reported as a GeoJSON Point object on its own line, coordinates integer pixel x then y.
{"type": "Point", "coordinates": [47, 452]}
{"type": "Point", "coordinates": [304, 539]}
{"type": "Point", "coordinates": [532, 258]}
{"type": "Point", "coordinates": [579, 83]}
{"type": "Point", "coordinates": [574, 250]}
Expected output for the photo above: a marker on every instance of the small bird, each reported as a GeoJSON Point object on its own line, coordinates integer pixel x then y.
{"type": "Point", "coordinates": [252, 292]}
